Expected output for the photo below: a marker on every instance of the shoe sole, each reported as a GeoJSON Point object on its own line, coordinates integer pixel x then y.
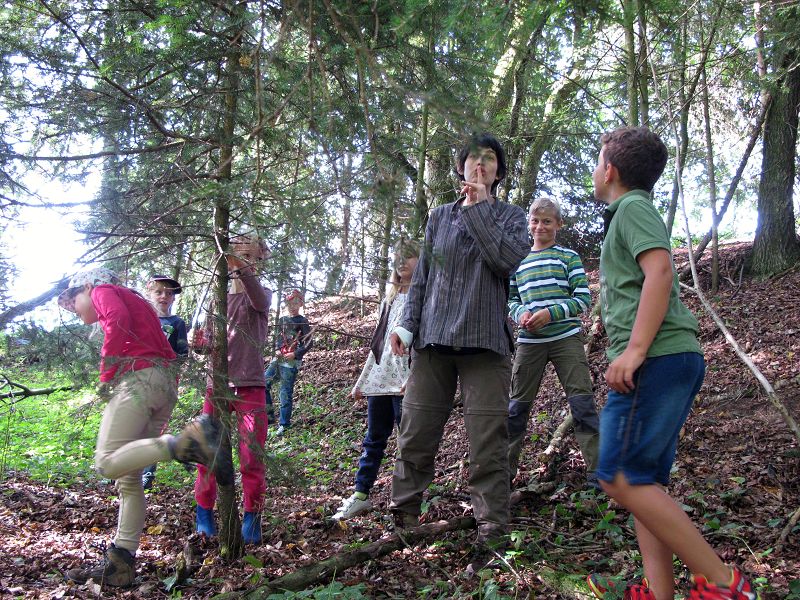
{"type": "Point", "coordinates": [222, 462]}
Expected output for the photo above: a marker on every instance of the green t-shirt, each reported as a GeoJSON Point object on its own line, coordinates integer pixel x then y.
{"type": "Point", "coordinates": [635, 227]}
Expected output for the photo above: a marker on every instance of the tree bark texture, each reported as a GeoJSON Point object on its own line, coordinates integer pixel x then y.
{"type": "Point", "coordinates": [776, 246]}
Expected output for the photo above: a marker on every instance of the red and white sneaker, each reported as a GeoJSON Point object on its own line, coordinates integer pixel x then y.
{"type": "Point", "coordinates": [633, 591]}
{"type": "Point", "coordinates": [739, 589]}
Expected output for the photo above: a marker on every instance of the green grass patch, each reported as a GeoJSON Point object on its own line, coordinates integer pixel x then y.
{"type": "Point", "coordinates": [52, 437]}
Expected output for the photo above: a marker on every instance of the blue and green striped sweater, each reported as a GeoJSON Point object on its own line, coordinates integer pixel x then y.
{"type": "Point", "coordinates": [554, 279]}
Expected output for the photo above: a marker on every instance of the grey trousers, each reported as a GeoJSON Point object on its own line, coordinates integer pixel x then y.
{"type": "Point", "coordinates": [428, 401]}
{"type": "Point", "coordinates": [572, 368]}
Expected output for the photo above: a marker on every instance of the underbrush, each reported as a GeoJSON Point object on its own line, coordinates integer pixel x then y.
{"type": "Point", "coordinates": [51, 438]}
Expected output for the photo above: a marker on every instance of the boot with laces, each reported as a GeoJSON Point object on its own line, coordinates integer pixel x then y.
{"type": "Point", "coordinates": [118, 569]}
{"type": "Point", "coordinates": [403, 520]}
{"type": "Point", "coordinates": [199, 443]}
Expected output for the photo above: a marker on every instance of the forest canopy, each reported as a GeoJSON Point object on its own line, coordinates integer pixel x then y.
{"type": "Point", "coordinates": [329, 127]}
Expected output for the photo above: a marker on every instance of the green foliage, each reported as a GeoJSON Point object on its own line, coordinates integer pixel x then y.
{"type": "Point", "coordinates": [52, 438]}
{"type": "Point", "coordinates": [69, 350]}
{"type": "Point", "coordinates": [334, 591]}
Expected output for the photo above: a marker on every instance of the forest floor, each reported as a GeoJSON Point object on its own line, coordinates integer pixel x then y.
{"type": "Point", "coordinates": [737, 473]}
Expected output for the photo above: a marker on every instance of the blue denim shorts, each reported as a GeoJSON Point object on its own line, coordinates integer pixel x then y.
{"type": "Point", "coordinates": [639, 430]}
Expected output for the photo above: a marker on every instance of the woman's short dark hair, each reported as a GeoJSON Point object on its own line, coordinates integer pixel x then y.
{"type": "Point", "coordinates": [638, 154]}
{"type": "Point", "coordinates": [483, 140]}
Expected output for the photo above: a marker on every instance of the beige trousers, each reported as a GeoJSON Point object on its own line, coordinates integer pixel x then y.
{"type": "Point", "coordinates": [140, 406]}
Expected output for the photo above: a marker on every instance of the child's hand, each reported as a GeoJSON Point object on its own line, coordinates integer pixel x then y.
{"type": "Point", "coordinates": [619, 374]}
{"type": "Point", "coordinates": [239, 265]}
{"type": "Point", "coordinates": [356, 394]}
{"type": "Point", "coordinates": [538, 320]}
{"type": "Point", "coordinates": [523, 320]}
{"type": "Point", "coordinates": [398, 347]}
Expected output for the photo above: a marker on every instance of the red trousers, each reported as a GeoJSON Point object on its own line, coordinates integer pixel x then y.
{"type": "Point", "coordinates": [251, 416]}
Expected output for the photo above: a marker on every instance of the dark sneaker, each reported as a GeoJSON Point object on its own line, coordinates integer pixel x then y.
{"type": "Point", "coordinates": [117, 570]}
{"type": "Point", "coordinates": [600, 585]}
{"type": "Point", "coordinates": [739, 588]}
{"type": "Point", "coordinates": [199, 443]}
{"type": "Point", "coordinates": [148, 477]}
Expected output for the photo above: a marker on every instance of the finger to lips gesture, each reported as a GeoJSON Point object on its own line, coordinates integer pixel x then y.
{"type": "Point", "coordinates": [475, 191]}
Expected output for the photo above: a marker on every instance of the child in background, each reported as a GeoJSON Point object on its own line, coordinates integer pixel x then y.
{"type": "Point", "coordinates": [136, 374]}
{"type": "Point", "coordinates": [161, 292]}
{"type": "Point", "coordinates": [656, 369]}
{"type": "Point", "coordinates": [547, 293]}
{"type": "Point", "coordinates": [248, 308]}
{"type": "Point", "coordinates": [291, 344]}
{"type": "Point", "coordinates": [383, 381]}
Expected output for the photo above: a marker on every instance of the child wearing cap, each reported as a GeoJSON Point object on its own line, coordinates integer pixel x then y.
{"type": "Point", "coordinates": [291, 344]}
{"type": "Point", "coordinates": [161, 292]}
{"type": "Point", "coordinates": [135, 375]}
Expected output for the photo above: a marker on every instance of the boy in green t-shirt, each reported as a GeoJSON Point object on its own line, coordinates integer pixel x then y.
{"type": "Point", "coordinates": [656, 369]}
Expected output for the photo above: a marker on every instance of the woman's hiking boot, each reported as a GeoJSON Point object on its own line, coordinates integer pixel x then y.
{"type": "Point", "coordinates": [118, 569]}
{"type": "Point", "coordinates": [403, 520]}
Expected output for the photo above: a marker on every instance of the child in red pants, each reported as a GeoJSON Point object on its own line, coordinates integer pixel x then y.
{"type": "Point", "coordinates": [248, 307]}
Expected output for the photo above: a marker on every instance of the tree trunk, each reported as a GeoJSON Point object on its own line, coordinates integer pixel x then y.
{"type": "Point", "coordinates": [562, 92]}
{"type": "Point", "coordinates": [683, 127]}
{"type": "Point", "coordinates": [515, 141]}
{"type": "Point", "coordinates": [642, 67]}
{"type": "Point", "coordinates": [326, 570]}
{"type": "Point", "coordinates": [776, 246]}
{"type": "Point", "coordinates": [230, 534]}
{"type": "Point", "coordinates": [712, 184]}
{"type": "Point", "coordinates": [629, 12]}
{"type": "Point", "coordinates": [420, 219]}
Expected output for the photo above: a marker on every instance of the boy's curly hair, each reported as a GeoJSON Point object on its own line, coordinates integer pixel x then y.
{"type": "Point", "coordinates": [638, 154]}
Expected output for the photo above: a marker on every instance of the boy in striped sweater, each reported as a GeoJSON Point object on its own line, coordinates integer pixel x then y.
{"type": "Point", "coordinates": [548, 292]}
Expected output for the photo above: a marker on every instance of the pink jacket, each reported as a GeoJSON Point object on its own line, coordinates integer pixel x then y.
{"type": "Point", "coordinates": [133, 336]}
